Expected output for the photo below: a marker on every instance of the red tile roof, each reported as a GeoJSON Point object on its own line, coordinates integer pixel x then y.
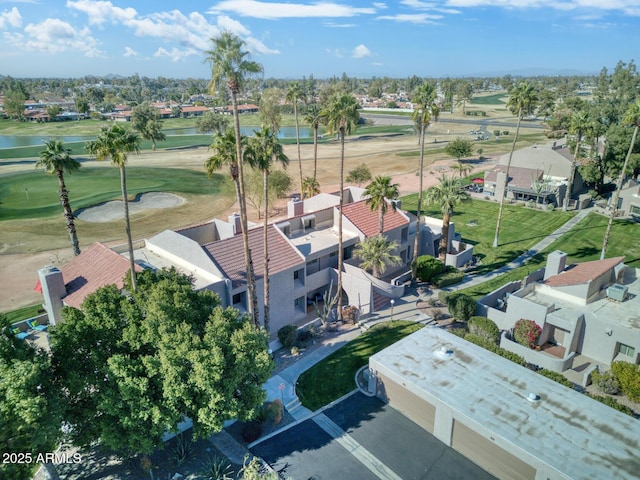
{"type": "Point", "coordinates": [365, 220]}
{"type": "Point", "coordinates": [229, 254]}
{"type": "Point", "coordinates": [94, 268]}
{"type": "Point", "coordinates": [583, 272]}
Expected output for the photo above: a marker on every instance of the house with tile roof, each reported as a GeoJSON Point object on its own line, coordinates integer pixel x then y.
{"type": "Point", "coordinates": [589, 313]}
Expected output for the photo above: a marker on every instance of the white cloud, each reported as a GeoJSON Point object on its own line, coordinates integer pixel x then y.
{"type": "Point", "coordinates": [275, 10]}
{"type": "Point", "coordinates": [11, 17]}
{"type": "Point", "coordinates": [380, 5]}
{"type": "Point", "coordinates": [339, 25]}
{"type": "Point", "coordinates": [130, 52]}
{"type": "Point", "coordinates": [54, 35]}
{"type": "Point", "coordinates": [234, 26]}
{"type": "Point", "coordinates": [411, 17]}
{"type": "Point", "coordinates": [629, 7]}
{"type": "Point", "coordinates": [336, 53]}
{"type": "Point", "coordinates": [175, 54]}
{"type": "Point", "coordinates": [377, 64]}
{"type": "Point", "coordinates": [361, 51]}
{"type": "Point", "coordinates": [100, 12]}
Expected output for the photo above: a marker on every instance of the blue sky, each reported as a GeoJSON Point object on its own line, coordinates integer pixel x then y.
{"type": "Point", "coordinates": [291, 39]}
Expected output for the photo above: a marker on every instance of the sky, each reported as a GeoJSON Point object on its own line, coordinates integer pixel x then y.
{"type": "Point", "coordinates": [292, 39]}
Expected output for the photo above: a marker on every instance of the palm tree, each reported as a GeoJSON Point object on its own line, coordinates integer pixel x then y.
{"type": "Point", "coordinates": [314, 119]}
{"type": "Point", "coordinates": [380, 191]}
{"type": "Point", "coordinates": [295, 93]}
{"type": "Point", "coordinates": [341, 115]}
{"type": "Point", "coordinates": [580, 121]}
{"type": "Point", "coordinates": [522, 100]}
{"type": "Point", "coordinates": [462, 168]}
{"type": "Point", "coordinates": [376, 254]}
{"type": "Point", "coordinates": [114, 143]}
{"type": "Point", "coordinates": [631, 117]}
{"type": "Point", "coordinates": [447, 194]}
{"type": "Point", "coordinates": [262, 151]}
{"type": "Point", "coordinates": [230, 64]}
{"type": "Point", "coordinates": [56, 159]}
{"type": "Point", "coordinates": [310, 187]}
{"type": "Point", "coordinates": [426, 108]}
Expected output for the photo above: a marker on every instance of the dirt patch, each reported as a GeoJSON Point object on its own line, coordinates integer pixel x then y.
{"type": "Point", "coordinates": [110, 211]}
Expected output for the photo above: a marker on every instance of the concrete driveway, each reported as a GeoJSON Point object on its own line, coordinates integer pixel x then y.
{"type": "Point", "coordinates": [363, 438]}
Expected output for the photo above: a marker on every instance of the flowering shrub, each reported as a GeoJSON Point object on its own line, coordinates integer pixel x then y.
{"type": "Point", "coordinates": [526, 332]}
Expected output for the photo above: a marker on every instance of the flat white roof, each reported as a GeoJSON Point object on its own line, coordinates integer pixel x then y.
{"type": "Point", "coordinates": [564, 429]}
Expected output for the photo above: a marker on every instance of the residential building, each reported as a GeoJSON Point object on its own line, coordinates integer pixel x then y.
{"type": "Point", "coordinates": [588, 313]}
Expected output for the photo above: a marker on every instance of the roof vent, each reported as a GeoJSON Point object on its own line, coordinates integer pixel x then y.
{"type": "Point", "coordinates": [443, 353]}
{"type": "Point", "coordinates": [533, 397]}
{"type": "Point", "coordinates": [617, 292]}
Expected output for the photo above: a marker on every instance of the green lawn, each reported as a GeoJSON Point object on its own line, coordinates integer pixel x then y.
{"type": "Point", "coordinates": [334, 376]}
{"type": "Point", "coordinates": [35, 194]}
{"type": "Point", "coordinates": [582, 243]}
{"type": "Point", "coordinates": [521, 228]}
{"type": "Point", "coordinates": [23, 313]}
{"type": "Point", "coordinates": [497, 99]}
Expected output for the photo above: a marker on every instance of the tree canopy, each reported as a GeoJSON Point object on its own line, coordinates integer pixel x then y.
{"type": "Point", "coordinates": [146, 120]}
{"type": "Point", "coordinates": [458, 148]}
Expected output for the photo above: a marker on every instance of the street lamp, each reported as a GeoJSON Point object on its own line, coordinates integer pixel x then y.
{"type": "Point", "coordinates": [392, 304]}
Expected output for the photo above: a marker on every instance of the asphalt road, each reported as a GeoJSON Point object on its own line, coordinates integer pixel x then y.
{"type": "Point", "coordinates": [483, 122]}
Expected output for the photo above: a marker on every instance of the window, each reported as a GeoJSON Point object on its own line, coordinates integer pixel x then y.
{"type": "Point", "coordinates": [405, 234]}
{"type": "Point", "coordinates": [313, 267]}
{"type": "Point", "coordinates": [626, 350]}
{"type": "Point", "coordinates": [635, 209]}
{"type": "Point", "coordinates": [298, 277]}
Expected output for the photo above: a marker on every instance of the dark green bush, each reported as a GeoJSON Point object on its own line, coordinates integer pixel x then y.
{"type": "Point", "coordinates": [612, 402]}
{"type": "Point", "coordinates": [288, 335]}
{"type": "Point", "coordinates": [496, 133]}
{"type": "Point", "coordinates": [461, 306]}
{"type": "Point", "coordinates": [556, 377]}
{"type": "Point", "coordinates": [483, 327]}
{"type": "Point", "coordinates": [628, 375]}
{"type": "Point", "coordinates": [428, 267]}
{"type": "Point", "coordinates": [451, 276]}
{"type": "Point", "coordinates": [443, 295]}
{"type": "Point", "coordinates": [606, 382]}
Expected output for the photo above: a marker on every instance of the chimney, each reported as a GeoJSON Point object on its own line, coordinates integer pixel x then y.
{"type": "Point", "coordinates": [295, 207]}
{"type": "Point", "coordinates": [234, 220]}
{"type": "Point", "coordinates": [397, 202]}
{"type": "Point", "coordinates": [556, 262]}
{"type": "Point", "coordinates": [53, 290]}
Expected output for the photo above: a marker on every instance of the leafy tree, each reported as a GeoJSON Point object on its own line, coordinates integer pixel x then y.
{"type": "Point", "coordinates": [580, 121]}
{"type": "Point", "coordinates": [632, 118]}
{"type": "Point", "coordinates": [270, 111]}
{"type": "Point", "coordinates": [231, 64]}
{"type": "Point", "coordinates": [56, 159]}
{"type": "Point", "coordinates": [262, 152]}
{"type": "Point", "coordinates": [447, 194]}
{"type": "Point", "coordinates": [359, 175]}
{"type": "Point", "coordinates": [176, 111]}
{"type": "Point", "coordinates": [628, 375]}
{"type": "Point", "coordinates": [522, 100]}
{"type": "Point", "coordinates": [133, 368]}
{"type": "Point", "coordinates": [313, 118]}
{"type": "Point", "coordinates": [341, 116]}
{"type": "Point", "coordinates": [376, 254]}
{"type": "Point", "coordinates": [462, 307]}
{"type": "Point", "coordinates": [310, 187]}
{"type": "Point", "coordinates": [380, 191]}
{"type": "Point", "coordinates": [114, 143]}
{"type": "Point", "coordinates": [280, 182]}
{"type": "Point", "coordinates": [30, 407]}
{"type": "Point", "coordinates": [146, 120]}
{"type": "Point", "coordinates": [14, 104]}
{"type": "Point", "coordinates": [213, 122]}
{"type": "Point", "coordinates": [53, 111]}
{"type": "Point", "coordinates": [464, 93]}
{"type": "Point", "coordinates": [426, 108]}
{"type": "Point", "coordinates": [293, 96]}
{"type": "Point", "coordinates": [82, 106]}
{"type": "Point", "coordinates": [458, 148]}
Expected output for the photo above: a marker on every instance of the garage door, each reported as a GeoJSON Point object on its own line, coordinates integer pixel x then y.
{"type": "Point", "coordinates": [488, 455]}
{"type": "Point", "coordinates": [410, 405]}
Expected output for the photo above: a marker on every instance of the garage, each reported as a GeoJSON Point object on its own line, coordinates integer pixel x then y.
{"type": "Point", "coordinates": [413, 407]}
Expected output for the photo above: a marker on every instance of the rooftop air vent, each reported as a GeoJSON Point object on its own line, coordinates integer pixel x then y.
{"type": "Point", "coordinates": [617, 292]}
{"type": "Point", "coordinates": [533, 397]}
{"type": "Point", "coordinates": [443, 353]}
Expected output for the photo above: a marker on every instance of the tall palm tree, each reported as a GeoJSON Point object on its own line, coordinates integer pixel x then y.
{"type": "Point", "coordinates": [314, 119]}
{"type": "Point", "coordinates": [380, 191]}
{"type": "Point", "coordinates": [294, 94]}
{"type": "Point", "coordinates": [263, 150]}
{"type": "Point", "coordinates": [310, 187]}
{"type": "Point", "coordinates": [447, 194]}
{"type": "Point", "coordinates": [376, 253]}
{"type": "Point", "coordinates": [631, 117]}
{"type": "Point", "coordinates": [425, 109]}
{"type": "Point", "coordinates": [341, 116]}
{"type": "Point", "coordinates": [56, 159]}
{"type": "Point", "coordinates": [522, 100]}
{"type": "Point", "coordinates": [230, 64]}
{"type": "Point", "coordinates": [580, 121]}
{"type": "Point", "coordinates": [462, 168]}
{"type": "Point", "coordinates": [114, 143]}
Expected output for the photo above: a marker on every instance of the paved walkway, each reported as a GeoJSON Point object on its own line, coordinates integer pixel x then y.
{"type": "Point", "coordinates": [282, 385]}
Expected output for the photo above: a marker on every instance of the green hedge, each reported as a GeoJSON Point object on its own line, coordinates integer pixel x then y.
{"type": "Point", "coordinates": [612, 402]}
{"type": "Point", "coordinates": [484, 327]}
{"type": "Point", "coordinates": [288, 335]}
{"type": "Point", "coordinates": [628, 375]}
{"type": "Point", "coordinates": [556, 377]}
{"type": "Point", "coordinates": [492, 347]}
{"type": "Point", "coordinates": [428, 267]}
{"type": "Point", "coordinates": [461, 306]}
{"type": "Point", "coordinates": [451, 276]}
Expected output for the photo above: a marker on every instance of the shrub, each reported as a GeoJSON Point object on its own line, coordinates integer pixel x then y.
{"type": "Point", "coordinates": [303, 338]}
{"type": "Point", "coordinates": [484, 327]}
{"type": "Point", "coordinates": [526, 332]}
{"type": "Point", "coordinates": [274, 411]}
{"type": "Point", "coordinates": [628, 375]}
{"type": "Point", "coordinates": [288, 335]}
{"type": "Point", "coordinates": [428, 267]}
{"type": "Point", "coordinates": [496, 133]}
{"type": "Point", "coordinates": [606, 382]}
{"type": "Point", "coordinates": [349, 314]}
{"type": "Point", "coordinates": [442, 296]}
{"type": "Point", "coordinates": [461, 306]}
{"type": "Point", "coordinates": [451, 276]}
{"type": "Point", "coordinates": [492, 347]}
{"type": "Point", "coordinates": [612, 402]}
{"type": "Point", "coordinates": [505, 132]}
{"type": "Point", "coordinates": [556, 377]}
{"type": "Point", "coordinates": [295, 351]}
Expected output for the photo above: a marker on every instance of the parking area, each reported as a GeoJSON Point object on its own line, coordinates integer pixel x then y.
{"type": "Point", "coordinates": [363, 438]}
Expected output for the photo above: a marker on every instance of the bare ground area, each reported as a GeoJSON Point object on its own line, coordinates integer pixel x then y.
{"type": "Point", "coordinates": [29, 245]}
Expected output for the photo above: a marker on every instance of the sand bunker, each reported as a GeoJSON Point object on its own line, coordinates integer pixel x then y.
{"type": "Point", "coordinates": [110, 211]}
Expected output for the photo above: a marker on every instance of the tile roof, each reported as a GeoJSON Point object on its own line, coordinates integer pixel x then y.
{"type": "Point", "coordinates": [229, 254]}
{"type": "Point", "coordinates": [583, 272]}
{"type": "Point", "coordinates": [365, 220]}
{"type": "Point", "coordinates": [94, 268]}
{"type": "Point", "coordinates": [518, 176]}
